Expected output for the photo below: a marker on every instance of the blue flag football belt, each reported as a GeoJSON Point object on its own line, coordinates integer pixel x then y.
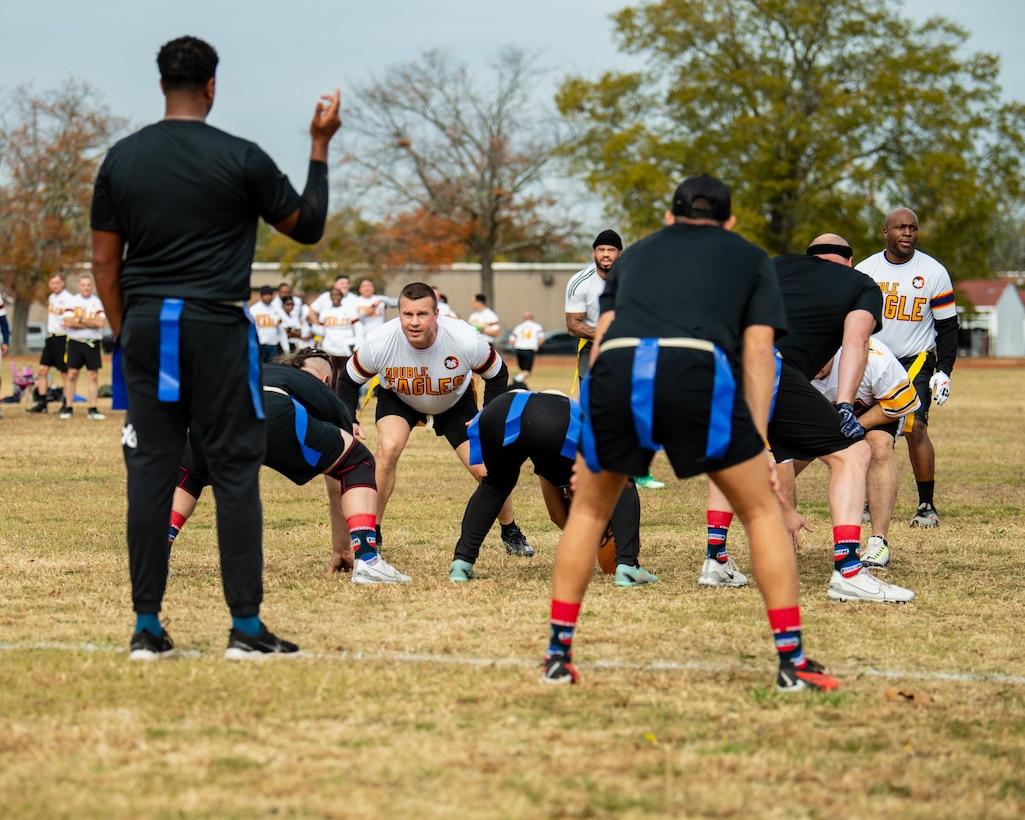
{"type": "Point", "coordinates": [302, 423]}
{"type": "Point", "coordinates": [512, 427]}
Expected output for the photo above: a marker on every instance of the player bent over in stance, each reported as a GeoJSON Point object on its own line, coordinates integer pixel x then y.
{"type": "Point", "coordinates": [687, 313]}
{"type": "Point", "coordinates": [544, 427]}
{"type": "Point", "coordinates": [309, 433]}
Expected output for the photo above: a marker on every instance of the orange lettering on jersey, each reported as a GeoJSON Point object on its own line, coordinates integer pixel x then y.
{"type": "Point", "coordinates": [889, 287]}
{"type": "Point", "coordinates": [896, 307]}
{"type": "Point", "coordinates": [402, 386]}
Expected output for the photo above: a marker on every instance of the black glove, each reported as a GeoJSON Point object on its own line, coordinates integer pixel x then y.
{"type": "Point", "coordinates": [849, 424]}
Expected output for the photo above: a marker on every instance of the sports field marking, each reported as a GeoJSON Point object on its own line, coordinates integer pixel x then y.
{"type": "Point", "coordinates": [654, 666]}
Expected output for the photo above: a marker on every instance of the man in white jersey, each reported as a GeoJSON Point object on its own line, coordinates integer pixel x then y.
{"type": "Point", "coordinates": [484, 318]}
{"type": "Point", "coordinates": [885, 398]}
{"type": "Point", "coordinates": [270, 332]}
{"type": "Point", "coordinates": [55, 352]}
{"type": "Point", "coordinates": [443, 306]}
{"type": "Point", "coordinates": [83, 321]}
{"type": "Point", "coordinates": [322, 302]}
{"type": "Point", "coordinates": [526, 339]}
{"type": "Point", "coordinates": [920, 327]}
{"type": "Point", "coordinates": [425, 367]}
{"type": "Point", "coordinates": [370, 306]}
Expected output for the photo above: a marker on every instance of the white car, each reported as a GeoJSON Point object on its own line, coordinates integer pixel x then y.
{"type": "Point", "coordinates": [35, 336]}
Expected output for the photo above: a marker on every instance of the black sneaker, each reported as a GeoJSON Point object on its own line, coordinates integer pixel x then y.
{"type": "Point", "coordinates": [516, 542]}
{"type": "Point", "coordinates": [811, 676]}
{"type": "Point", "coordinates": [559, 669]}
{"type": "Point", "coordinates": [149, 647]}
{"type": "Point", "coordinates": [38, 408]}
{"type": "Point", "coordinates": [242, 646]}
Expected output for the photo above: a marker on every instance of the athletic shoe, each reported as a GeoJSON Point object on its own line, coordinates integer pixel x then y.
{"type": "Point", "coordinates": [95, 414]}
{"type": "Point", "coordinates": [38, 408]}
{"type": "Point", "coordinates": [866, 516]}
{"type": "Point", "coordinates": [375, 570]}
{"type": "Point", "coordinates": [877, 552]}
{"type": "Point", "coordinates": [516, 542]}
{"type": "Point", "coordinates": [926, 516]}
{"type": "Point", "coordinates": [866, 587]}
{"type": "Point", "coordinates": [648, 482]}
{"type": "Point", "coordinates": [627, 576]}
{"type": "Point", "coordinates": [146, 646]}
{"type": "Point", "coordinates": [714, 574]}
{"type": "Point", "coordinates": [245, 647]}
{"type": "Point", "coordinates": [461, 572]}
{"type": "Point", "coordinates": [559, 669]}
{"type": "Point", "coordinates": [811, 676]}
{"type": "Point", "coordinates": [67, 412]}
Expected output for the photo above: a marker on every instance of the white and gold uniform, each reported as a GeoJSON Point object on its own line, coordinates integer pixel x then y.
{"type": "Point", "coordinates": [885, 383]}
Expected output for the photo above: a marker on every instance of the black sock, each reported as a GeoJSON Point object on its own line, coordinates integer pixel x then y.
{"type": "Point", "coordinates": [925, 490]}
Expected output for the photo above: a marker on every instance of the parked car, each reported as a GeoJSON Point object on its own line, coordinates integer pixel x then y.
{"type": "Point", "coordinates": [35, 336]}
{"type": "Point", "coordinates": [559, 343]}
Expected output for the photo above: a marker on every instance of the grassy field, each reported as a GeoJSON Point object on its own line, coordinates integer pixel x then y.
{"type": "Point", "coordinates": [424, 699]}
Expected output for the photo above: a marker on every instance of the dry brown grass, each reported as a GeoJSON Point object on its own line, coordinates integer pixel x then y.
{"type": "Point", "coordinates": [424, 699]}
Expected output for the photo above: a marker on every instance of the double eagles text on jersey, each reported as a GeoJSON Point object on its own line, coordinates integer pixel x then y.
{"type": "Point", "coordinates": [416, 381]}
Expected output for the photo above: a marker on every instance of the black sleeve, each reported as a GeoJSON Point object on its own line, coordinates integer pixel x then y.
{"type": "Point", "coordinates": [496, 385]}
{"type": "Point", "coordinates": [313, 207]}
{"type": "Point", "coordinates": [348, 391]}
{"type": "Point", "coordinates": [946, 344]}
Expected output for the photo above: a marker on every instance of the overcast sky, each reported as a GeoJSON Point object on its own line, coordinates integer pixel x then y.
{"type": "Point", "coordinates": [277, 58]}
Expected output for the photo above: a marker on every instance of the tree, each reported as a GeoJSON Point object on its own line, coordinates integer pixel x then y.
{"type": "Point", "coordinates": [820, 114]}
{"type": "Point", "coordinates": [429, 137]}
{"type": "Point", "coordinates": [52, 144]}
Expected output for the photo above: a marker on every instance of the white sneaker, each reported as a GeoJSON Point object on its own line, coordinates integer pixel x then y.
{"type": "Point", "coordinates": [866, 587]}
{"type": "Point", "coordinates": [377, 571]}
{"type": "Point", "coordinates": [876, 552]}
{"type": "Point", "coordinates": [714, 574]}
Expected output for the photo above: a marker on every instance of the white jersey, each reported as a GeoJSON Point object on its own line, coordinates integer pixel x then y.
{"type": "Point", "coordinates": [83, 308]}
{"type": "Point", "coordinates": [297, 322]}
{"type": "Point", "coordinates": [582, 293]}
{"type": "Point", "coordinates": [430, 381]}
{"type": "Point", "coordinates": [371, 310]}
{"type": "Point", "coordinates": [342, 329]}
{"type": "Point", "coordinates": [527, 336]}
{"type": "Point", "coordinates": [915, 294]}
{"type": "Point", "coordinates": [445, 310]}
{"type": "Point", "coordinates": [56, 305]}
{"type": "Point", "coordinates": [885, 383]}
{"type": "Point", "coordinates": [486, 322]}
{"type": "Point", "coordinates": [268, 324]}
{"type": "Point", "coordinates": [323, 302]}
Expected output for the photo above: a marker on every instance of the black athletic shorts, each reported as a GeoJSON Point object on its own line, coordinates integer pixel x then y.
{"type": "Point", "coordinates": [804, 424]}
{"type": "Point", "coordinates": [525, 359]}
{"type": "Point", "coordinates": [451, 424]}
{"type": "Point", "coordinates": [683, 399]}
{"type": "Point", "coordinates": [84, 354]}
{"type": "Point", "coordinates": [55, 353]}
{"type": "Point", "coordinates": [921, 368]}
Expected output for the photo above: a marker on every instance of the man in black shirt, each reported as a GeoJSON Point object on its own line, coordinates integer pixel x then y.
{"type": "Point", "coordinates": [683, 360]}
{"type": "Point", "coordinates": [174, 218]}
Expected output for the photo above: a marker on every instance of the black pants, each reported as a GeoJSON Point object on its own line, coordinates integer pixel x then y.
{"type": "Point", "coordinates": [215, 401]}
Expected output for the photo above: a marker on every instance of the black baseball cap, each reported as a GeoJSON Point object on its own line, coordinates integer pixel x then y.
{"type": "Point", "coordinates": [702, 197]}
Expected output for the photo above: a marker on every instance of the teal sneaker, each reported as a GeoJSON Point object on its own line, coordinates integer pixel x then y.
{"type": "Point", "coordinates": [627, 576]}
{"type": "Point", "coordinates": [648, 482]}
{"type": "Point", "coordinates": [461, 572]}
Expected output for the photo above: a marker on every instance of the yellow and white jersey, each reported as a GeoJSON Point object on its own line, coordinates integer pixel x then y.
{"type": "Point", "coordinates": [268, 322]}
{"type": "Point", "coordinates": [343, 329]}
{"type": "Point", "coordinates": [56, 305]}
{"type": "Point", "coordinates": [527, 336]}
{"type": "Point", "coordinates": [432, 380]}
{"type": "Point", "coordinates": [915, 294]}
{"type": "Point", "coordinates": [80, 307]}
{"type": "Point", "coordinates": [885, 383]}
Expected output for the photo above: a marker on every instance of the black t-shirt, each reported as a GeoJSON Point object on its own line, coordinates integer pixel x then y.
{"type": "Point", "coordinates": [695, 281]}
{"type": "Point", "coordinates": [309, 391]}
{"type": "Point", "coordinates": [818, 295]}
{"type": "Point", "coordinates": [187, 198]}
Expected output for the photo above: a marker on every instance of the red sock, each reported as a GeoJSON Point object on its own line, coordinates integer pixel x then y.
{"type": "Point", "coordinates": [786, 632]}
{"type": "Point", "coordinates": [363, 532]}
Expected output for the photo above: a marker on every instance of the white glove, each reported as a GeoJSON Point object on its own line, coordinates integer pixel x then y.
{"type": "Point", "coordinates": [939, 384]}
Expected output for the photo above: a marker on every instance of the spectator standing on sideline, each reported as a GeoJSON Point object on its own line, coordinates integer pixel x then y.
{"type": "Point", "coordinates": [84, 319]}
{"type": "Point", "coordinates": [284, 291]}
{"type": "Point", "coordinates": [884, 399]}
{"type": "Point", "coordinates": [55, 352]}
{"type": "Point", "coordinates": [583, 291]}
{"type": "Point", "coordinates": [269, 328]}
{"type": "Point", "coordinates": [174, 219]}
{"type": "Point", "coordinates": [443, 306]}
{"type": "Point", "coordinates": [425, 366]}
{"type": "Point", "coordinates": [297, 331]}
{"type": "Point", "coordinates": [343, 330]}
{"type": "Point", "coordinates": [370, 306]}
{"type": "Point", "coordinates": [920, 327]}
{"type": "Point", "coordinates": [322, 302]}
{"type": "Point", "coordinates": [484, 319]}
{"type": "Point", "coordinates": [684, 344]}
{"type": "Point", "coordinates": [526, 339]}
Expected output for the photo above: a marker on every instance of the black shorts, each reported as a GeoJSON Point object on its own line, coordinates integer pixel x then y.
{"type": "Point", "coordinates": [921, 370]}
{"type": "Point", "coordinates": [804, 424]}
{"type": "Point", "coordinates": [451, 424]}
{"type": "Point", "coordinates": [84, 354]}
{"type": "Point", "coordinates": [284, 450]}
{"type": "Point", "coordinates": [525, 359]}
{"type": "Point", "coordinates": [684, 394]}
{"type": "Point", "coordinates": [55, 353]}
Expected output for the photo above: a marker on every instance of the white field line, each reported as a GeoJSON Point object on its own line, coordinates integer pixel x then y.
{"type": "Point", "coordinates": [459, 660]}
